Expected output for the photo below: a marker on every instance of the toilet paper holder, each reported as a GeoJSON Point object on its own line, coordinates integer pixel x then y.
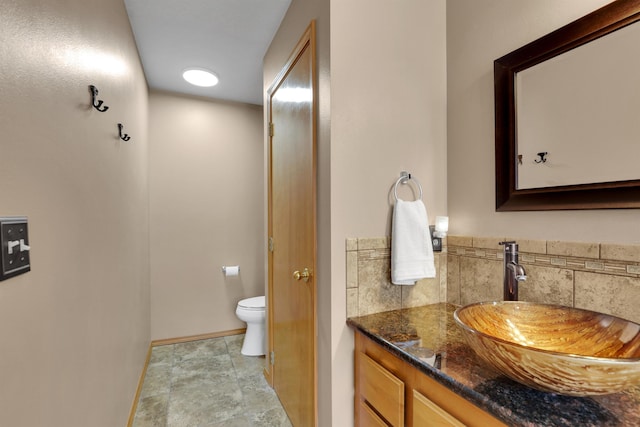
{"type": "Point", "coordinates": [231, 268]}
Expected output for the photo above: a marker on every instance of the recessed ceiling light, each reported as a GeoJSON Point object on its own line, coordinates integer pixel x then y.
{"type": "Point", "coordinates": [200, 77]}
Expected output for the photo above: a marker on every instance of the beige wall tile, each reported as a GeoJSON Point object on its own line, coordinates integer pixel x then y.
{"type": "Point", "coordinates": [547, 285]}
{"type": "Point", "coordinates": [575, 249]}
{"type": "Point", "coordinates": [594, 265]}
{"type": "Point", "coordinates": [352, 270]}
{"type": "Point", "coordinates": [369, 289]}
{"type": "Point", "coordinates": [488, 242]}
{"type": "Point", "coordinates": [442, 268]}
{"type": "Point", "coordinates": [425, 291]}
{"type": "Point", "coordinates": [480, 280]}
{"type": "Point", "coordinates": [615, 268]}
{"type": "Point", "coordinates": [616, 295]}
{"type": "Point", "coordinates": [379, 253]}
{"type": "Point", "coordinates": [559, 262]}
{"type": "Point", "coordinates": [524, 258]}
{"type": "Point", "coordinates": [352, 244]}
{"type": "Point", "coordinates": [530, 245]}
{"type": "Point", "coordinates": [352, 302]}
{"type": "Point", "coordinates": [373, 243]}
{"type": "Point", "coordinates": [453, 279]}
{"type": "Point", "coordinates": [460, 241]}
{"type": "Point", "coordinates": [375, 291]}
{"type": "Point", "coordinates": [633, 269]}
{"type": "Point", "coordinates": [620, 252]}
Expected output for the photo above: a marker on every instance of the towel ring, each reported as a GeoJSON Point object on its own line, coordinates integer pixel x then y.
{"type": "Point", "coordinates": [405, 177]}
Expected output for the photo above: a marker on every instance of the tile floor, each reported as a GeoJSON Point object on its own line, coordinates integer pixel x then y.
{"type": "Point", "coordinates": [207, 383]}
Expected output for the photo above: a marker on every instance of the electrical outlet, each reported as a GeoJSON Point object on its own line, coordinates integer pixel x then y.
{"type": "Point", "coordinates": [14, 238]}
{"type": "Point", "coordinates": [436, 242]}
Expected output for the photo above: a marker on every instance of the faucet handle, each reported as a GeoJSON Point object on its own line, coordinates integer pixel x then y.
{"type": "Point", "coordinates": [510, 246]}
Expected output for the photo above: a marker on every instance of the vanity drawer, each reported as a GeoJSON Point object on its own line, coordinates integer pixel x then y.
{"type": "Point", "coordinates": [427, 413]}
{"type": "Point", "coordinates": [382, 390]}
{"type": "Point", "coordinates": [369, 418]}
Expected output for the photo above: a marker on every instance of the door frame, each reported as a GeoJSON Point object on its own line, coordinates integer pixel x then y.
{"type": "Point", "coordinates": [307, 40]}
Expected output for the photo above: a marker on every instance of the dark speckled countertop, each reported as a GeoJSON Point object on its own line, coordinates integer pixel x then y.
{"type": "Point", "coordinates": [428, 338]}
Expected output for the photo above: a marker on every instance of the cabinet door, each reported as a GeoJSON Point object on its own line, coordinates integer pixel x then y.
{"type": "Point", "coordinates": [427, 413]}
{"type": "Point", "coordinates": [382, 390]}
{"type": "Point", "coordinates": [369, 418]}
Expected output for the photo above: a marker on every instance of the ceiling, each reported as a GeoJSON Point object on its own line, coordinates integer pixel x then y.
{"type": "Point", "coordinates": [228, 37]}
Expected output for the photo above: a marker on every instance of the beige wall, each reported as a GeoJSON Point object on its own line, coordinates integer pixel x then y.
{"type": "Point", "coordinates": [478, 32]}
{"type": "Point", "coordinates": [75, 330]}
{"type": "Point", "coordinates": [295, 22]}
{"type": "Point", "coordinates": [206, 204]}
{"type": "Point", "coordinates": [388, 114]}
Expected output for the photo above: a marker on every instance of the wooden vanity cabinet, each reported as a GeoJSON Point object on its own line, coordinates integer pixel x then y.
{"type": "Point", "coordinates": [391, 392]}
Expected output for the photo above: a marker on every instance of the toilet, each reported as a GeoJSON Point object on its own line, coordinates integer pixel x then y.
{"type": "Point", "coordinates": [251, 311]}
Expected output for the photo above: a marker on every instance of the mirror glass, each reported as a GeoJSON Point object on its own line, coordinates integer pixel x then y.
{"type": "Point", "coordinates": [582, 109]}
{"type": "Point", "coordinates": [567, 116]}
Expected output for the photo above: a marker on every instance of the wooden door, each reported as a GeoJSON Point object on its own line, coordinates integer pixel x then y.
{"type": "Point", "coordinates": [292, 228]}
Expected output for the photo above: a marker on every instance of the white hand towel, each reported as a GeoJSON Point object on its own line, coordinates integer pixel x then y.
{"type": "Point", "coordinates": [411, 249]}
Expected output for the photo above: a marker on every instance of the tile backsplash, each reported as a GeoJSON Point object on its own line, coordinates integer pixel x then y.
{"type": "Point", "coordinates": [369, 287]}
{"type": "Point", "coordinates": [596, 276]}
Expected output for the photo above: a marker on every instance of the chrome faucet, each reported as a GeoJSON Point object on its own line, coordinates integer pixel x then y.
{"type": "Point", "coordinates": [513, 272]}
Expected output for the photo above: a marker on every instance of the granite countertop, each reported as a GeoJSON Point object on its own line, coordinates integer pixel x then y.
{"type": "Point", "coordinates": [428, 338]}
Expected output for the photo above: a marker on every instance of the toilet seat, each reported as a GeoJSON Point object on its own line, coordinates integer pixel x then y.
{"type": "Point", "coordinates": [255, 303]}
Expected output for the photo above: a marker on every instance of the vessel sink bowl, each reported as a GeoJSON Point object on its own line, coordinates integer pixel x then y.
{"type": "Point", "coordinates": [554, 348]}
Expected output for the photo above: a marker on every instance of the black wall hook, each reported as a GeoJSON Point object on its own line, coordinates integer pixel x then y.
{"type": "Point", "coordinates": [124, 137]}
{"type": "Point", "coordinates": [542, 157]}
{"type": "Point", "coordinates": [97, 103]}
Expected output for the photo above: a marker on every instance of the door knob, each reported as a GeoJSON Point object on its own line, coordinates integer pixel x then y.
{"type": "Point", "coordinates": [304, 275]}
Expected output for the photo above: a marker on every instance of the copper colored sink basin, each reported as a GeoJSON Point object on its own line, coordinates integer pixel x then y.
{"type": "Point", "coordinates": [554, 348]}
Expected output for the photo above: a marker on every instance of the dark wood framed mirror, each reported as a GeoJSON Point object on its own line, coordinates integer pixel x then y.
{"type": "Point", "coordinates": [604, 194]}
